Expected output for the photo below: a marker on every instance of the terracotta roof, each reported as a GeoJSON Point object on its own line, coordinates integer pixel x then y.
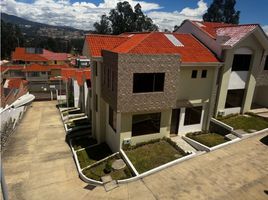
{"type": "Point", "coordinates": [80, 75]}
{"type": "Point", "coordinates": [233, 33]}
{"type": "Point", "coordinates": [21, 54]}
{"type": "Point", "coordinates": [15, 82]}
{"type": "Point", "coordinates": [99, 42]}
{"type": "Point", "coordinates": [191, 49]}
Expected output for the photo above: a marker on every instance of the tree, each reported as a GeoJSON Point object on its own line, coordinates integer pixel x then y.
{"type": "Point", "coordinates": [104, 26]}
{"type": "Point", "coordinates": [123, 19]}
{"type": "Point", "coordinates": [222, 11]}
{"type": "Point", "coordinates": [11, 37]}
{"type": "Point", "coordinates": [231, 16]}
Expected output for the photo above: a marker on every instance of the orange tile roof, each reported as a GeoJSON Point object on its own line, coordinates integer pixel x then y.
{"type": "Point", "coordinates": [156, 43]}
{"type": "Point", "coordinates": [100, 42]}
{"type": "Point", "coordinates": [21, 54]}
{"type": "Point", "coordinates": [80, 75]}
{"type": "Point", "coordinates": [16, 82]}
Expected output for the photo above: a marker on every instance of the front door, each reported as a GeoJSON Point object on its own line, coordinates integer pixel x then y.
{"type": "Point", "coordinates": [175, 119]}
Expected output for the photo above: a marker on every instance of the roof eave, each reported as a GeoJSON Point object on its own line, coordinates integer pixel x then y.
{"type": "Point", "coordinates": [200, 64]}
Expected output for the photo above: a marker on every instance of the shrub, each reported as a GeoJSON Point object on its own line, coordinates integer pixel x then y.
{"type": "Point", "coordinates": [108, 168]}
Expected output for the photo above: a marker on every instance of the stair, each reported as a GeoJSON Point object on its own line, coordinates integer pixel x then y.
{"type": "Point", "coordinates": [183, 144]}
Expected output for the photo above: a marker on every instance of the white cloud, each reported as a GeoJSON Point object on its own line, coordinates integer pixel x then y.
{"type": "Point", "coordinates": [167, 20]}
{"type": "Point", "coordinates": [265, 28]}
{"type": "Point", "coordinates": [83, 14]}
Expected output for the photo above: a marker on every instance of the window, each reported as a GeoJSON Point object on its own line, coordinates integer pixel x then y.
{"type": "Point", "coordinates": [148, 82]}
{"type": "Point", "coordinates": [194, 74]}
{"type": "Point", "coordinates": [266, 63]}
{"type": "Point", "coordinates": [43, 73]}
{"type": "Point", "coordinates": [96, 102]}
{"type": "Point", "coordinates": [146, 124]}
{"type": "Point", "coordinates": [193, 115]}
{"type": "Point", "coordinates": [112, 118]}
{"type": "Point", "coordinates": [34, 74]}
{"type": "Point", "coordinates": [234, 98]}
{"type": "Point", "coordinates": [55, 62]}
{"type": "Point", "coordinates": [241, 62]}
{"type": "Point", "coordinates": [204, 74]}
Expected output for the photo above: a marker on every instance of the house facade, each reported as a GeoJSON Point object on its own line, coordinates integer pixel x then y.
{"type": "Point", "coordinates": [243, 78]}
{"type": "Point", "coordinates": [149, 85]}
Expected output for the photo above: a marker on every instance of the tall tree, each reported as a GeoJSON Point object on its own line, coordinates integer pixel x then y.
{"type": "Point", "coordinates": [230, 15]}
{"type": "Point", "coordinates": [222, 11]}
{"type": "Point", "coordinates": [104, 26]}
{"type": "Point", "coordinates": [215, 12]}
{"type": "Point", "coordinates": [11, 37]}
{"type": "Point", "coordinates": [123, 19]}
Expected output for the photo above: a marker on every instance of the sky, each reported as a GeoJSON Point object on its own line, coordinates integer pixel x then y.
{"type": "Point", "coordinates": [82, 14]}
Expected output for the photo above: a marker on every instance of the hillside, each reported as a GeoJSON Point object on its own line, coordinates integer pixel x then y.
{"type": "Point", "coordinates": [30, 28]}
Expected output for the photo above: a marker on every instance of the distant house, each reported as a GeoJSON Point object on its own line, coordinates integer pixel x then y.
{"type": "Point", "coordinates": [243, 78]}
{"type": "Point", "coordinates": [149, 85]}
{"type": "Point", "coordinates": [78, 85]}
{"type": "Point", "coordinates": [39, 56]}
{"type": "Point", "coordinates": [40, 77]}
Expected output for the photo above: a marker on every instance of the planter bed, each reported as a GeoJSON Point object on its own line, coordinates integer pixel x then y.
{"type": "Point", "coordinates": [248, 122]}
{"type": "Point", "coordinates": [83, 142]}
{"type": "Point", "coordinates": [208, 139]}
{"type": "Point", "coordinates": [77, 123]}
{"type": "Point", "coordinates": [73, 111]}
{"type": "Point", "coordinates": [99, 170]}
{"type": "Point", "coordinates": [91, 155]}
{"type": "Point", "coordinates": [146, 156]}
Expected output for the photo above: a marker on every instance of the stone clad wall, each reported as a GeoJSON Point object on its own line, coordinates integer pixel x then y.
{"type": "Point", "coordinates": [128, 64]}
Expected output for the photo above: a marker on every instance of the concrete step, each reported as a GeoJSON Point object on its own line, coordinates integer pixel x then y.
{"type": "Point", "coordinates": [183, 144]}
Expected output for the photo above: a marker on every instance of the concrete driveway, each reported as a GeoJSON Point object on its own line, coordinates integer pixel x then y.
{"type": "Point", "coordinates": [38, 164]}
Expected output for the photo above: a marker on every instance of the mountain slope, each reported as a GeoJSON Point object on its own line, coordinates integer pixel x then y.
{"type": "Point", "coordinates": [30, 28]}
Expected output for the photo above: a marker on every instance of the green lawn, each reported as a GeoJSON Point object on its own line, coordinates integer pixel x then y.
{"type": "Point", "coordinates": [83, 142]}
{"type": "Point", "coordinates": [246, 122]}
{"type": "Point", "coordinates": [90, 155]}
{"type": "Point", "coordinates": [152, 155]}
{"type": "Point", "coordinates": [96, 172]}
{"type": "Point", "coordinates": [208, 139]}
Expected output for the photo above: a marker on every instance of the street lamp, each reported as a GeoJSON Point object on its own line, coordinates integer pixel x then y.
{"type": "Point", "coordinates": [22, 101]}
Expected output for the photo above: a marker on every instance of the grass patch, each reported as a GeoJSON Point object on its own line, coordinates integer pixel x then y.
{"type": "Point", "coordinates": [83, 142]}
{"type": "Point", "coordinates": [91, 155]}
{"type": "Point", "coordinates": [245, 122]}
{"type": "Point", "coordinates": [208, 139]}
{"type": "Point", "coordinates": [97, 171]}
{"type": "Point", "coordinates": [153, 154]}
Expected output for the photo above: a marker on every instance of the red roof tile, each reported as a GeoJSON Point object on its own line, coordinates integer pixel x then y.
{"type": "Point", "coordinates": [98, 42]}
{"type": "Point", "coordinates": [158, 43]}
{"type": "Point", "coordinates": [21, 54]}
{"type": "Point", "coordinates": [15, 82]}
{"type": "Point", "coordinates": [80, 75]}
{"type": "Point", "coordinates": [36, 68]}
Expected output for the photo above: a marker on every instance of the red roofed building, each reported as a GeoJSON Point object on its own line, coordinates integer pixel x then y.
{"type": "Point", "coordinates": [149, 85]}
{"type": "Point", "coordinates": [40, 77]}
{"type": "Point", "coordinates": [244, 51]}
{"type": "Point", "coordinates": [38, 55]}
{"type": "Point", "coordinates": [78, 87]}
{"type": "Point", "coordinates": [11, 90]}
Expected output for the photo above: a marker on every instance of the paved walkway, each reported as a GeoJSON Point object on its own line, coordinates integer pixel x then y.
{"type": "Point", "coordinates": [39, 166]}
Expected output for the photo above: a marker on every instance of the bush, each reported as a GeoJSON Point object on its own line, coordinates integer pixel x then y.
{"type": "Point", "coordinates": [108, 168]}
